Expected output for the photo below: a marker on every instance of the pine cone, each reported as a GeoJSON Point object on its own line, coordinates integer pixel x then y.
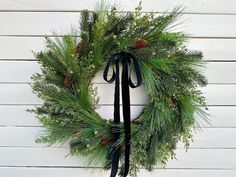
{"type": "Point", "coordinates": [140, 43]}
{"type": "Point", "coordinates": [68, 80]}
{"type": "Point", "coordinates": [78, 48]}
{"type": "Point", "coordinates": [106, 141]}
{"type": "Point", "coordinates": [173, 101]}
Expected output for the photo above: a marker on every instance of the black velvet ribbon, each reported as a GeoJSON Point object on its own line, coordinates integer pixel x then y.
{"type": "Point", "coordinates": [129, 63]}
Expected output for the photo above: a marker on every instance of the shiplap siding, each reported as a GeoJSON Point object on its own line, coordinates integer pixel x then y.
{"type": "Point", "coordinates": [24, 24]}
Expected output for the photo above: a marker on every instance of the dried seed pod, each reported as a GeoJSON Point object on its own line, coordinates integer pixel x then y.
{"type": "Point", "coordinates": [106, 141]}
{"type": "Point", "coordinates": [140, 43]}
{"type": "Point", "coordinates": [68, 80]}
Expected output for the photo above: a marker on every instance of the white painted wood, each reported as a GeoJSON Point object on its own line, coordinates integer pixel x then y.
{"type": "Point", "coordinates": [11, 115]}
{"type": "Point", "coordinates": [22, 71]}
{"type": "Point", "coordinates": [221, 72]}
{"type": "Point", "coordinates": [212, 24]}
{"type": "Point", "coordinates": [200, 6]}
{"type": "Point", "coordinates": [55, 172]}
{"type": "Point", "coordinates": [38, 157]}
{"type": "Point", "coordinates": [215, 49]}
{"type": "Point", "coordinates": [17, 94]}
{"type": "Point", "coordinates": [17, 116]}
{"type": "Point", "coordinates": [222, 116]}
{"type": "Point", "coordinates": [213, 138]}
{"type": "Point", "coordinates": [21, 47]}
{"type": "Point", "coordinates": [22, 94]}
{"type": "Point", "coordinates": [195, 158]}
{"type": "Point", "coordinates": [38, 23]}
{"type": "Point", "coordinates": [209, 26]}
{"type": "Point", "coordinates": [220, 94]}
{"type": "Point", "coordinates": [95, 172]}
{"type": "Point", "coordinates": [20, 136]}
{"type": "Point", "coordinates": [216, 72]}
{"type": "Point", "coordinates": [203, 138]}
{"type": "Point", "coordinates": [33, 23]}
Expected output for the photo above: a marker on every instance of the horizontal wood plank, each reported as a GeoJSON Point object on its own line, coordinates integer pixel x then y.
{"type": "Point", "coordinates": [23, 70]}
{"type": "Point", "coordinates": [73, 172]}
{"type": "Point", "coordinates": [21, 94]}
{"type": "Point", "coordinates": [220, 72]}
{"type": "Point", "coordinates": [200, 6]}
{"type": "Point", "coordinates": [219, 116]}
{"type": "Point", "coordinates": [216, 138]}
{"type": "Point", "coordinates": [215, 49]}
{"type": "Point", "coordinates": [194, 158]}
{"type": "Point", "coordinates": [216, 72]}
{"type": "Point", "coordinates": [33, 23]}
{"type": "Point", "coordinates": [222, 116]}
{"type": "Point", "coordinates": [17, 116]}
{"type": "Point", "coordinates": [220, 94]}
{"type": "Point", "coordinates": [20, 48]}
{"type": "Point", "coordinates": [17, 94]}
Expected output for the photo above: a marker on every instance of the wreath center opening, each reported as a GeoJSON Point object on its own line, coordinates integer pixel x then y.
{"type": "Point", "coordinates": [104, 94]}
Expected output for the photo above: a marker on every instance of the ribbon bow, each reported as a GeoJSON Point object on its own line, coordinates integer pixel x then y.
{"type": "Point", "coordinates": [128, 61]}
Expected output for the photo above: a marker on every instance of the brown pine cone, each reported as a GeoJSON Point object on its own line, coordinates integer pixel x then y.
{"type": "Point", "coordinates": [140, 43]}
{"type": "Point", "coordinates": [173, 101]}
{"type": "Point", "coordinates": [78, 48]}
{"type": "Point", "coordinates": [106, 141]}
{"type": "Point", "coordinates": [68, 80]}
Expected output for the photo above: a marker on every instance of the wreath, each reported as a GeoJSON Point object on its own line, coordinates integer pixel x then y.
{"type": "Point", "coordinates": [133, 42]}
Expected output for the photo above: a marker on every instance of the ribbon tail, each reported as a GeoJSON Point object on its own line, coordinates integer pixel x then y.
{"type": "Point", "coordinates": [116, 134]}
{"type": "Point", "coordinates": [126, 113]}
{"type": "Point", "coordinates": [127, 59]}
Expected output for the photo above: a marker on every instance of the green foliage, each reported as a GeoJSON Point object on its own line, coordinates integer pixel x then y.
{"type": "Point", "coordinates": [171, 78]}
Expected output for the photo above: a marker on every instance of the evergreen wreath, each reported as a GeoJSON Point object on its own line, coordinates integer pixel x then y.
{"type": "Point", "coordinates": [170, 74]}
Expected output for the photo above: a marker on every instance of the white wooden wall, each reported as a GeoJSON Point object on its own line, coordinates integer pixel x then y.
{"type": "Point", "coordinates": [24, 23]}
